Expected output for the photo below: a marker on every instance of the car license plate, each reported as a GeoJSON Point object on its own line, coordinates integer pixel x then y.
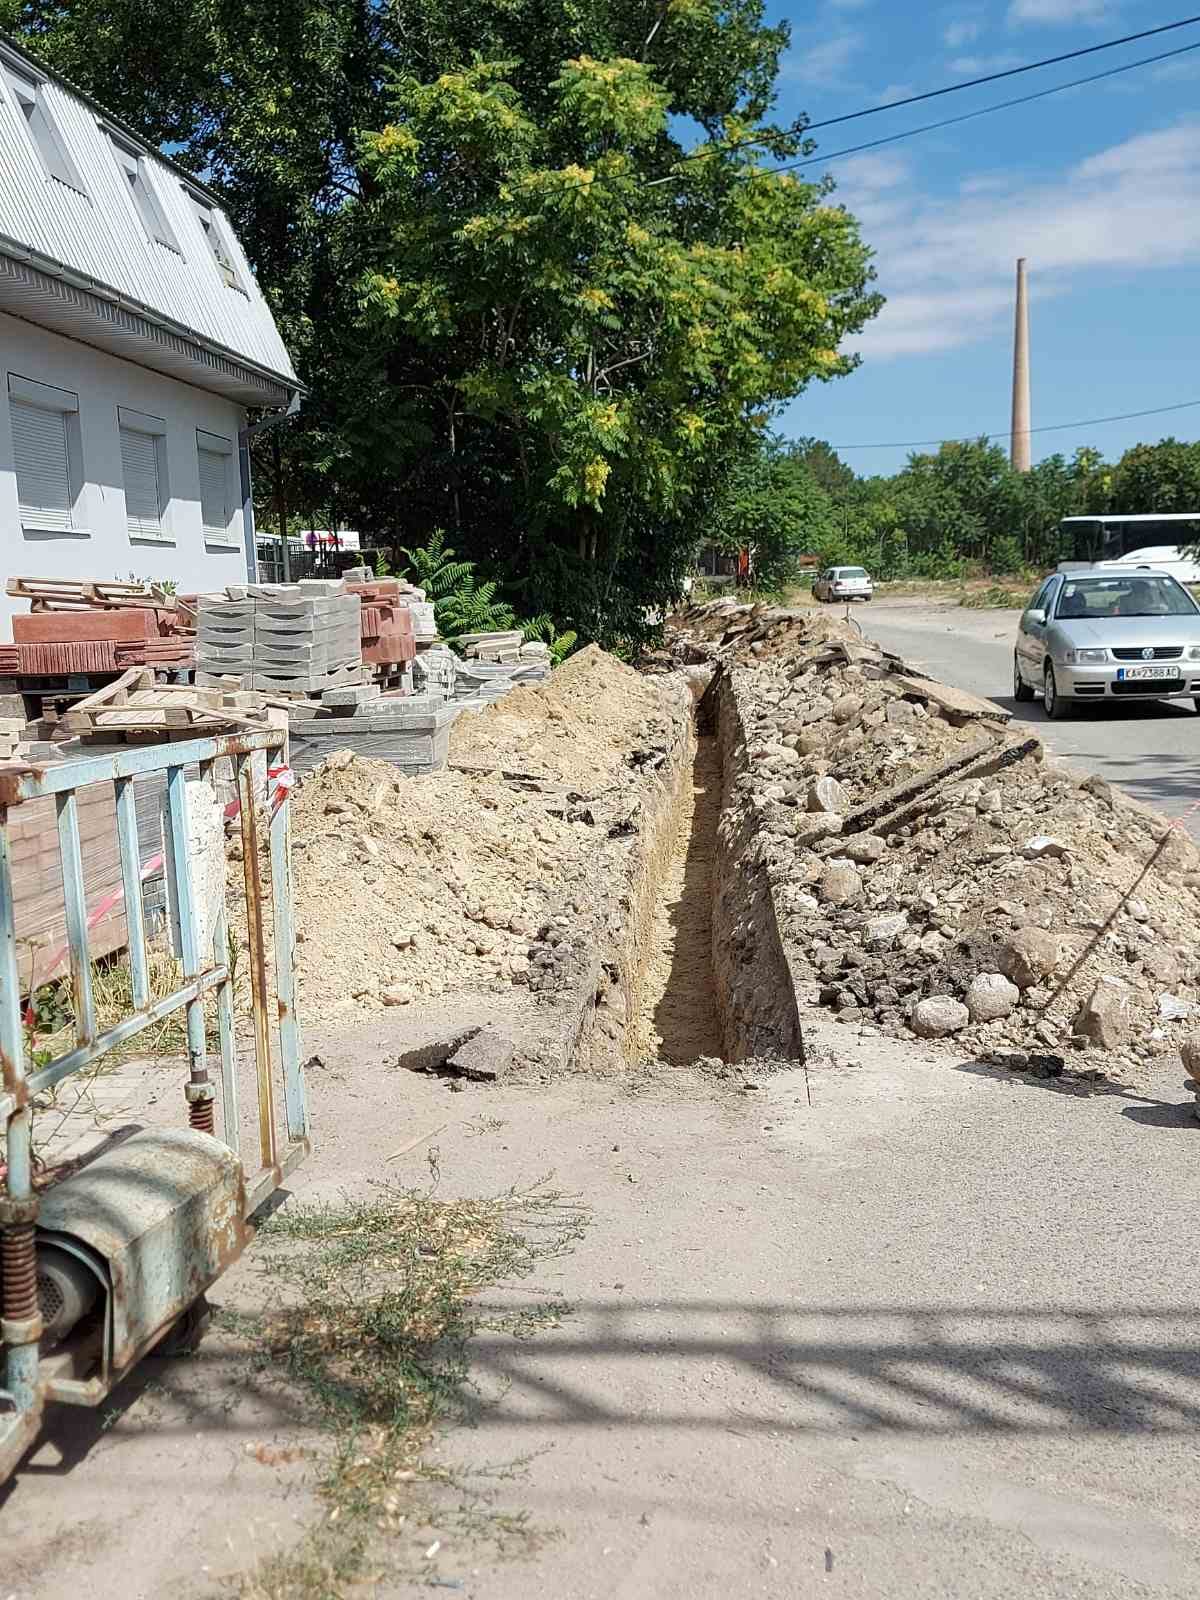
{"type": "Point", "coordinates": [1147, 672]}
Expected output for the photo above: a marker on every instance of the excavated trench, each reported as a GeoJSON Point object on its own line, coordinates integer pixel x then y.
{"type": "Point", "coordinates": [705, 970]}
{"type": "Point", "coordinates": [676, 1017]}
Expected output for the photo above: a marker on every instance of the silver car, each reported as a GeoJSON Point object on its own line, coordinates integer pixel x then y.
{"type": "Point", "coordinates": [1104, 633]}
{"type": "Point", "coordinates": [843, 583]}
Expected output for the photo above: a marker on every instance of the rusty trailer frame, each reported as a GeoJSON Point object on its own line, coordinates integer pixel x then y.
{"type": "Point", "coordinates": [31, 1378]}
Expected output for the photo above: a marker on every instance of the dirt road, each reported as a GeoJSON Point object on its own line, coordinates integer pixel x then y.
{"type": "Point", "coordinates": [1149, 750]}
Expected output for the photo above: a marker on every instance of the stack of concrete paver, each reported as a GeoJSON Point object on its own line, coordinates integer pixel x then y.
{"type": "Point", "coordinates": [411, 732]}
{"type": "Point", "coordinates": [499, 645]}
{"type": "Point", "coordinates": [299, 639]}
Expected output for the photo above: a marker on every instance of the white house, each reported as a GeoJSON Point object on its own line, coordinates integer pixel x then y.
{"type": "Point", "coordinates": [133, 338]}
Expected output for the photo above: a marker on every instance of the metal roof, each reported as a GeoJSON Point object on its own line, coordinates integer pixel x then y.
{"type": "Point", "coordinates": [94, 242]}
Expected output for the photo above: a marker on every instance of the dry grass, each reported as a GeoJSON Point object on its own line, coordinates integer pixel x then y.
{"type": "Point", "coordinates": [371, 1322]}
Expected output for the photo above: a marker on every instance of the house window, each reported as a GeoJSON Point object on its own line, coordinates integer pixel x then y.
{"type": "Point", "coordinates": [144, 472]}
{"type": "Point", "coordinates": [30, 98]}
{"type": "Point", "coordinates": [46, 454]}
{"type": "Point", "coordinates": [216, 498]}
{"type": "Point", "coordinates": [136, 172]}
{"type": "Point", "coordinates": [212, 227]}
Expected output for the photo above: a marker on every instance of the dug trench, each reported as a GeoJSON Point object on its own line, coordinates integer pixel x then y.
{"type": "Point", "coordinates": [567, 904]}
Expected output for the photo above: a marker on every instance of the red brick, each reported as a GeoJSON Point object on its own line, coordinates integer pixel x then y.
{"type": "Point", "coordinates": [68, 627]}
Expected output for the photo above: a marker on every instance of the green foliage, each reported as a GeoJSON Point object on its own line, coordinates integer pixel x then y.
{"type": "Point", "coordinates": [560, 644]}
{"type": "Point", "coordinates": [461, 604]}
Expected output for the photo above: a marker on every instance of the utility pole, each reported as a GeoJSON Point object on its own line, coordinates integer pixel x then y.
{"type": "Point", "coordinates": [1022, 422]}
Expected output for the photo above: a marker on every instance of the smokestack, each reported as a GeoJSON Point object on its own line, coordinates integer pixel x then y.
{"type": "Point", "coordinates": [1021, 417]}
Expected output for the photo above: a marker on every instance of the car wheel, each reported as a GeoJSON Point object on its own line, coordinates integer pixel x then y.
{"type": "Point", "coordinates": [1021, 690]}
{"type": "Point", "coordinates": [1058, 706]}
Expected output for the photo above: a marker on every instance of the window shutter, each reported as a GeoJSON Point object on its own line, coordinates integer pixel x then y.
{"type": "Point", "coordinates": [43, 466]}
{"type": "Point", "coordinates": [214, 494]}
{"type": "Point", "coordinates": [143, 503]}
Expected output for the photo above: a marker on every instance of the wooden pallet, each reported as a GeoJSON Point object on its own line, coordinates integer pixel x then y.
{"type": "Point", "coordinates": [87, 594]}
{"type": "Point", "coordinates": [135, 707]}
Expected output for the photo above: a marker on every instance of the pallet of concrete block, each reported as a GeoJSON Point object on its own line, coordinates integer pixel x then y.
{"type": "Point", "coordinates": [411, 732]}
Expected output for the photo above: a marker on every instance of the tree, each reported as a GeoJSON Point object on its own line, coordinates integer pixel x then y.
{"type": "Point", "coordinates": [826, 466]}
{"type": "Point", "coordinates": [768, 502]}
{"type": "Point", "coordinates": [1157, 477]}
{"type": "Point", "coordinates": [598, 334]}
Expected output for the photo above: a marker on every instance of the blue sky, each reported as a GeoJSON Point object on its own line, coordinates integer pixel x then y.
{"type": "Point", "coordinates": [1098, 187]}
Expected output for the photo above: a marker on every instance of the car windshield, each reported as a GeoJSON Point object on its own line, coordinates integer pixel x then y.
{"type": "Point", "coordinates": [1095, 598]}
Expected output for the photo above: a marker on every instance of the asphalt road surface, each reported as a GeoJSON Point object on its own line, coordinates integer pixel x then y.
{"type": "Point", "coordinates": [1151, 751]}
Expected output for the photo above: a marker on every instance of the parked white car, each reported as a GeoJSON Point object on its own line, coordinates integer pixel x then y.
{"type": "Point", "coordinates": [1106, 632]}
{"type": "Point", "coordinates": [843, 583]}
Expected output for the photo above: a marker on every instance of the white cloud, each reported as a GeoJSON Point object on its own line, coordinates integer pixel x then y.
{"type": "Point", "coordinates": [895, 91]}
{"type": "Point", "coordinates": [978, 66]}
{"type": "Point", "coordinates": [1052, 11]}
{"type": "Point", "coordinates": [823, 63]}
{"type": "Point", "coordinates": [963, 31]}
{"type": "Point", "coordinates": [946, 263]}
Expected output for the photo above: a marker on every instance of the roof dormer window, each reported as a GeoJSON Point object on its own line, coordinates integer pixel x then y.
{"type": "Point", "coordinates": [29, 96]}
{"type": "Point", "coordinates": [136, 171]}
{"type": "Point", "coordinates": [214, 236]}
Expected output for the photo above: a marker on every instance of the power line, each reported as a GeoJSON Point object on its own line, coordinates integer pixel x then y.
{"type": "Point", "coordinates": [953, 88]}
{"type": "Point", "coordinates": [966, 116]}
{"type": "Point", "coordinates": [1054, 427]}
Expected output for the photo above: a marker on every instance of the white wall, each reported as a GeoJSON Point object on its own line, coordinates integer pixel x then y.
{"type": "Point", "coordinates": [100, 547]}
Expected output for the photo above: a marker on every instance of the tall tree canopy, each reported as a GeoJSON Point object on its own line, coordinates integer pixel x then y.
{"type": "Point", "coordinates": [525, 311]}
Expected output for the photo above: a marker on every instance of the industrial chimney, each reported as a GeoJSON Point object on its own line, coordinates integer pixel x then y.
{"type": "Point", "coordinates": [1021, 420]}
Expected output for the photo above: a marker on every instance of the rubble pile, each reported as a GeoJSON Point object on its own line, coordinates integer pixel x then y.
{"type": "Point", "coordinates": [936, 876]}
{"type": "Point", "coordinates": [731, 631]}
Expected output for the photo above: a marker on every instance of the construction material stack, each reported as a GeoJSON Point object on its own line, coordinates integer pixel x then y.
{"type": "Point", "coordinates": [412, 732]}
{"type": "Point", "coordinates": [388, 633]}
{"type": "Point", "coordinates": [288, 638]}
{"type": "Point", "coordinates": [81, 633]}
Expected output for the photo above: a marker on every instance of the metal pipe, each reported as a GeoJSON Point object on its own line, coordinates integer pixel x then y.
{"type": "Point", "coordinates": [258, 961]}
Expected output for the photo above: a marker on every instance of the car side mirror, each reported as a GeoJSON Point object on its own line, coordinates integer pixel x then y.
{"type": "Point", "coordinates": [1035, 616]}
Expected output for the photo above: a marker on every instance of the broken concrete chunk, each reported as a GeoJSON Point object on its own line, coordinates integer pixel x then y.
{"type": "Point", "coordinates": [887, 928]}
{"type": "Point", "coordinates": [1138, 910]}
{"type": "Point", "coordinates": [865, 848]}
{"type": "Point", "coordinates": [1028, 956]}
{"type": "Point", "coordinates": [841, 884]}
{"type": "Point", "coordinates": [1106, 1016]}
{"type": "Point", "coordinates": [1189, 1054]}
{"type": "Point", "coordinates": [846, 707]}
{"type": "Point", "coordinates": [939, 1015]}
{"type": "Point", "coordinates": [484, 1057]}
{"type": "Point", "coordinates": [397, 994]}
{"type": "Point", "coordinates": [1041, 846]}
{"type": "Point", "coordinates": [900, 712]}
{"type": "Point", "coordinates": [991, 996]}
{"type": "Point", "coordinates": [826, 795]}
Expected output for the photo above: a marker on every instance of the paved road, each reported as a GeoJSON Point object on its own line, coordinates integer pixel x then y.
{"type": "Point", "coordinates": [1151, 751]}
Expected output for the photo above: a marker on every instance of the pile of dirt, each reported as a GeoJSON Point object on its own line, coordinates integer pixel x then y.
{"type": "Point", "coordinates": [584, 723]}
{"type": "Point", "coordinates": [1009, 908]}
{"type": "Point", "coordinates": [466, 881]}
